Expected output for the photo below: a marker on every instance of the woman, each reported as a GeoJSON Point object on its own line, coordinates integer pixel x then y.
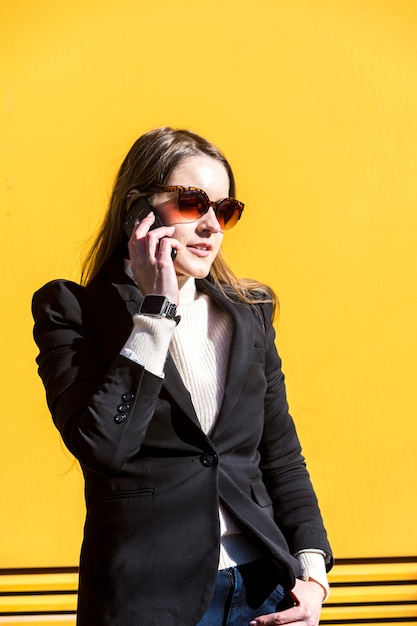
{"type": "Point", "coordinates": [163, 379]}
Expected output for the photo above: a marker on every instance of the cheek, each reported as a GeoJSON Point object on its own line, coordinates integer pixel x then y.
{"type": "Point", "coordinates": [217, 243]}
{"type": "Point", "coordinates": [184, 232]}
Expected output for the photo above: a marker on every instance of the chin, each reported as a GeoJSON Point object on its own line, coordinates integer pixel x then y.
{"type": "Point", "coordinates": [195, 271]}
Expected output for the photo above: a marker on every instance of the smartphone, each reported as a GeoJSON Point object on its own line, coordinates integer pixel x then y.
{"type": "Point", "coordinates": [138, 209]}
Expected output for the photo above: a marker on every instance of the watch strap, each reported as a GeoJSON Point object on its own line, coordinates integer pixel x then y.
{"type": "Point", "coordinates": [158, 305]}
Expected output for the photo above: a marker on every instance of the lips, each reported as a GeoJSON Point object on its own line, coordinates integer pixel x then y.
{"type": "Point", "coordinates": [199, 249]}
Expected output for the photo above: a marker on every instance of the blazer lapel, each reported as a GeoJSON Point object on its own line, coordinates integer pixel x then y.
{"type": "Point", "coordinates": [240, 349]}
{"type": "Point", "coordinates": [174, 385]}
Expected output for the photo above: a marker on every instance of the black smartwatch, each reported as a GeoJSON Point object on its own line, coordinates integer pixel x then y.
{"type": "Point", "coordinates": [159, 306]}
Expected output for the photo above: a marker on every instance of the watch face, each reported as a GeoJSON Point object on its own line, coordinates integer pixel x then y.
{"type": "Point", "coordinates": [153, 305]}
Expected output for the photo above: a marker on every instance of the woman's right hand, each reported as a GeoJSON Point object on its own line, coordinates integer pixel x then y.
{"type": "Point", "coordinates": [150, 258]}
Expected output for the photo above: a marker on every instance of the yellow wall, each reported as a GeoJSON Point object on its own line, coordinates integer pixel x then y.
{"type": "Point", "coordinates": [314, 102]}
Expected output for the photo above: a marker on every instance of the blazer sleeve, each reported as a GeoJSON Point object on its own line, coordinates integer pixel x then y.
{"type": "Point", "coordinates": [283, 466]}
{"type": "Point", "coordinates": [101, 409]}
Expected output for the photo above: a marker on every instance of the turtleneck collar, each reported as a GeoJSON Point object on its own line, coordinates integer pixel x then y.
{"type": "Point", "coordinates": [188, 292]}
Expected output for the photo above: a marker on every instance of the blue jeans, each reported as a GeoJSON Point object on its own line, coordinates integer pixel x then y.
{"type": "Point", "coordinates": [243, 593]}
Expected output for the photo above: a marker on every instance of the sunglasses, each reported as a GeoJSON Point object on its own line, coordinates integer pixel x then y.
{"type": "Point", "coordinates": [193, 202]}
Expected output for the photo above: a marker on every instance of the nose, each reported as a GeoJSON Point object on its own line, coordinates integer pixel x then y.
{"type": "Point", "coordinates": [209, 220]}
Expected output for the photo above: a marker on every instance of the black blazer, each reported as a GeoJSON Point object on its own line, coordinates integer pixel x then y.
{"type": "Point", "coordinates": [153, 479]}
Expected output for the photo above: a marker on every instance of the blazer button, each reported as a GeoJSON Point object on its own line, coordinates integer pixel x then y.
{"type": "Point", "coordinates": [119, 418]}
{"type": "Point", "coordinates": [127, 396]}
{"type": "Point", "coordinates": [123, 408]}
{"type": "Point", "coordinates": [208, 459]}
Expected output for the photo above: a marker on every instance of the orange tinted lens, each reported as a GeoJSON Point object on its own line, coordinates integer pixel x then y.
{"type": "Point", "coordinates": [192, 204]}
{"type": "Point", "coordinates": [227, 213]}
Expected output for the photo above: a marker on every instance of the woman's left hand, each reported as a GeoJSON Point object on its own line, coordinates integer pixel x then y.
{"type": "Point", "coordinates": [309, 598]}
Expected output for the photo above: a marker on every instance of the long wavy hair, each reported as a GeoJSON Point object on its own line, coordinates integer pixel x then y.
{"type": "Point", "coordinates": [148, 163]}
